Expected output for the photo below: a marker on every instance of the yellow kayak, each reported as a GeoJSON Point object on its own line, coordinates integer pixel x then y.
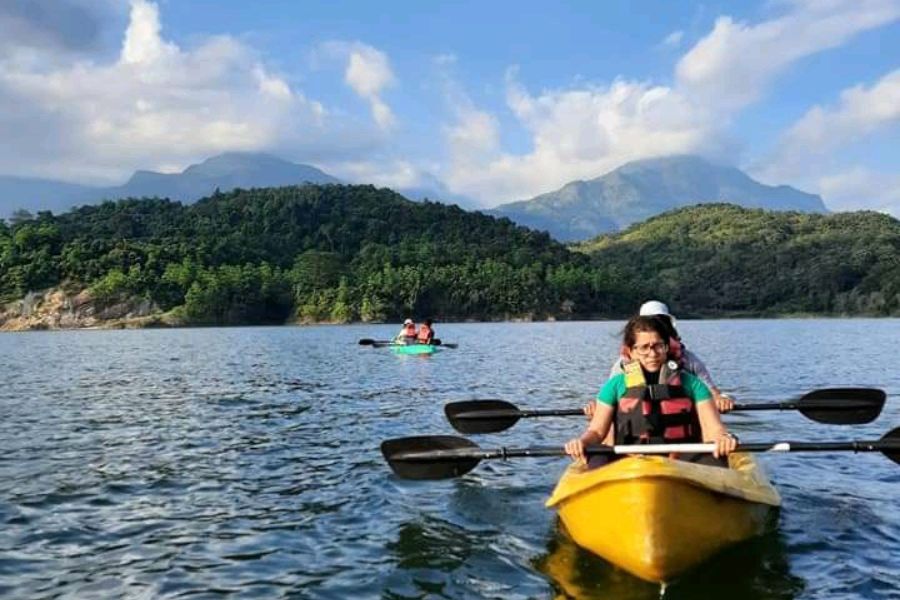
{"type": "Point", "coordinates": [656, 517]}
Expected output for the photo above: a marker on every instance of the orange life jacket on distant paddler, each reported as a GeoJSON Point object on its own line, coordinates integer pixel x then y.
{"type": "Point", "coordinates": [425, 334]}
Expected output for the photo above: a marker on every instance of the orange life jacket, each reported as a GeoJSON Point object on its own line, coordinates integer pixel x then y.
{"type": "Point", "coordinates": [656, 413]}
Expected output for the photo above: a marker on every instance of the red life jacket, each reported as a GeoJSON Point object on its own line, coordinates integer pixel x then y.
{"type": "Point", "coordinates": [425, 334]}
{"type": "Point", "coordinates": [658, 413]}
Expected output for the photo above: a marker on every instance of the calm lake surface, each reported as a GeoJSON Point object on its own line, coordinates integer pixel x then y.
{"type": "Point", "coordinates": [245, 463]}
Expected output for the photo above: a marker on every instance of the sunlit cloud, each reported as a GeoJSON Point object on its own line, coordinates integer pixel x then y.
{"type": "Point", "coordinates": [156, 104]}
{"type": "Point", "coordinates": [585, 130]}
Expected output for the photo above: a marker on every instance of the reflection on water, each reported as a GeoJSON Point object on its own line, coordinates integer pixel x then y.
{"type": "Point", "coordinates": [754, 570]}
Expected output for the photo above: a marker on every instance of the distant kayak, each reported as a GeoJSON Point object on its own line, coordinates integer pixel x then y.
{"type": "Point", "coordinates": [413, 348]}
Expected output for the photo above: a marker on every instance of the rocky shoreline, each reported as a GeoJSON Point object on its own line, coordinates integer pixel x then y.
{"type": "Point", "coordinates": [60, 309]}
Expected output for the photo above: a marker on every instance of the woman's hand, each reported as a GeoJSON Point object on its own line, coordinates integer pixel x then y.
{"type": "Point", "coordinates": [726, 443]}
{"type": "Point", "coordinates": [590, 408]}
{"type": "Point", "coordinates": [575, 449]}
{"type": "Point", "coordinates": [724, 402]}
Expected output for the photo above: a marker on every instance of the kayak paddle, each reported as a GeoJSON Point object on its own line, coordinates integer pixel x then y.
{"type": "Point", "coordinates": [383, 343]}
{"type": "Point", "coordinates": [438, 342]}
{"type": "Point", "coordinates": [447, 456]}
{"type": "Point", "coordinates": [371, 342]}
{"type": "Point", "coordinates": [834, 406]}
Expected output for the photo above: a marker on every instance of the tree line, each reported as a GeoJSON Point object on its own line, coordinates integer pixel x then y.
{"type": "Point", "coordinates": [721, 259]}
{"type": "Point", "coordinates": [340, 253]}
{"type": "Point", "coordinates": [315, 253]}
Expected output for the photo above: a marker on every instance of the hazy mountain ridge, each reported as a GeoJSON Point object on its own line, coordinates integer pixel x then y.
{"type": "Point", "coordinates": [224, 172]}
{"type": "Point", "coordinates": [641, 189]}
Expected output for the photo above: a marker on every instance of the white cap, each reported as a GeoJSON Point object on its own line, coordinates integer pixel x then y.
{"type": "Point", "coordinates": [654, 307]}
{"type": "Point", "coordinates": [409, 322]}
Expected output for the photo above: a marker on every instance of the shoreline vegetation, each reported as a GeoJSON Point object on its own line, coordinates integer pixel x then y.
{"type": "Point", "coordinates": [54, 310]}
{"type": "Point", "coordinates": [319, 254]}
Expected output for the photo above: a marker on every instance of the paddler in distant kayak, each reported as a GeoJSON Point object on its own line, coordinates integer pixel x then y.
{"type": "Point", "coordinates": [426, 333]}
{"type": "Point", "coordinates": [653, 400]}
{"type": "Point", "coordinates": [677, 351]}
{"type": "Point", "coordinates": [408, 334]}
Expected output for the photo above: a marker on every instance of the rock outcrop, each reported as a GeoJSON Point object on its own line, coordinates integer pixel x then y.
{"type": "Point", "coordinates": [57, 308]}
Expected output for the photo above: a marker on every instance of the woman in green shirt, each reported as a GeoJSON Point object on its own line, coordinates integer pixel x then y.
{"type": "Point", "coordinates": [652, 379]}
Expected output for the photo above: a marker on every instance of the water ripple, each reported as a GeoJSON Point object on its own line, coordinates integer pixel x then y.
{"type": "Point", "coordinates": [215, 463]}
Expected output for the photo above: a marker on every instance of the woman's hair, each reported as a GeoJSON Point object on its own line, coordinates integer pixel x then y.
{"type": "Point", "coordinates": [666, 321]}
{"type": "Point", "coordinates": [638, 324]}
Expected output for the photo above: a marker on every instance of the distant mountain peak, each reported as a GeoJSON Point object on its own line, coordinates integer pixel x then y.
{"type": "Point", "coordinates": [643, 188]}
{"type": "Point", "coordinates": [224, 172]}
{"type": "Point", "coordinates": [231, 161]}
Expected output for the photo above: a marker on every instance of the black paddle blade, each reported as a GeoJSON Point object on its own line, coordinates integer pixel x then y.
{"type": "Point", "coordinates": [366, 342]}
{"type": "Point", "coordinates": [438, 342]}
{"type": "Point", "coordinates": [482, 416]}
{"type": "Point", "coordinates": [430, 456]}
{"type": "Point", "coordinates": [892, 438]}
{"type": "Point", "coordinates": [843, 406]}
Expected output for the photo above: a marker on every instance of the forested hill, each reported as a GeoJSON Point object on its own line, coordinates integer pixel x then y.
{"type": "Point", "coordinates": [313, 253]}
{"type": "Point", "coordinates": [722, 259]}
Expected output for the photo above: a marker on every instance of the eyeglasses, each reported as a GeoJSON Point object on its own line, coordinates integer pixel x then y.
{"type": "Point", "coordinates": [645, 349]}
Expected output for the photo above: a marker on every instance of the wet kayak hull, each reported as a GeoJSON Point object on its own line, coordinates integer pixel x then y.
{"type": "Point", "coordinates": [658, 518]}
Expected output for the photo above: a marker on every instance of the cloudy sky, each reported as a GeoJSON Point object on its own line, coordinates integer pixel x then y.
{"type": "Point", "coordinates": [497, 100]}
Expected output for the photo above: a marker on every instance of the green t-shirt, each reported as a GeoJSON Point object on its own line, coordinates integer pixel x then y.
{"type": "Point", "coordinates": [614, 388]}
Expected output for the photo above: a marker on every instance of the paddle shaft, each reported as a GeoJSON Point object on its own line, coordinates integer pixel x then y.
{"type": "Point", "coordinates": [524, 414]}
{"type": "Point", "coordinates": [540, 451]}
{"type": "Point", "coordinates": [806, 405]}
{"type": "Point", "coordinates": [572, 412]}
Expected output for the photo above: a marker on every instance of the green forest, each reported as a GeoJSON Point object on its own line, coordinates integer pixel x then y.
{"type": "Point", "coordinates": [330, 253]}
{"type": "Point", "coordinates": [339, 253]}
{"type": "Point", "coordinates": [720, 259]}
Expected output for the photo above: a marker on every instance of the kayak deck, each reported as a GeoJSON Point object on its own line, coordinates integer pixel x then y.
{"type": "Point", "coordinates": [656, 517]}
{"type": "Point", "coordinates": [414, 349]}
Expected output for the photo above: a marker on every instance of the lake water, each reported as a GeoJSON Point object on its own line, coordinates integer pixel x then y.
{"type": "Point", "coordinates": [245, 463]}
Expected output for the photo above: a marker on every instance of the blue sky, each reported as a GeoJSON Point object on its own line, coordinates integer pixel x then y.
{"type": "Point", "coordinates": [495, 101]}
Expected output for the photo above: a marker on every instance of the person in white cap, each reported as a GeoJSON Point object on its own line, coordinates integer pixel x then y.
{"type": "Point", "coordinates": [689, 361]}
{"type": "Point", "coordinates": [407, 335]}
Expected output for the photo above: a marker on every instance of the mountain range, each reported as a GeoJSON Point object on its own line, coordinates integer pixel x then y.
{"type": "Point", "coordinates": [223, 172]}
{"type": "Point", "coordinates": [641, 189]}
{"type": "Point", "coordinates": [578, 211]}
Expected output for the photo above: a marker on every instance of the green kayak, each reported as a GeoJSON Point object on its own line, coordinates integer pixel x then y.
{"type": "Point", "coordinates": [414, 349]}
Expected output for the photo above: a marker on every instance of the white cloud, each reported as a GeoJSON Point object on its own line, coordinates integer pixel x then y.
{"type": "Point", "coordinates": [576, 134]}
{"type": "Point", "coordinates": [143, 43]}
{"type": "Point", "coordinates": [586, 130]}
{"type": "Point", "coordinates": [733, 65]}
{"type": "Point", "coordinates": [156, 104]}
{"type": "Point", "coordinates": [860, 112]}
{"type": "Point", "coordinates": [392, 173]}
{"type": "Point", "coordinates": [368, 74]}
{"type": "Point", "coordinates": [45, 30]}
{"type": "Point", "coordinates": [673, 39]}
{"type": "Point", "coordinates": [808, 149]}
{"type": "Point", "coordinates": [447, 58]}
{"type": "Point", "coordinates": [859, 188]}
